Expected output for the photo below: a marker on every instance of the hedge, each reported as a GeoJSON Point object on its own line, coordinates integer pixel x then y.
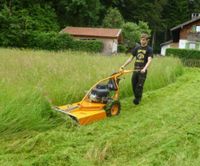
{"type": "Point", "coordinates": [55, 41]}
{"type": "Point", "coordinates": [50, 41]}
{"type": "Point", "coordinates": [121, 48]}
{"type": "Point", "coordinates": [183, 53]}
{"type": "Point", "coordinates": [87, 45]}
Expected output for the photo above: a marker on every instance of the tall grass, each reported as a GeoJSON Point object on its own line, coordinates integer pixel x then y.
{"type": "Point", "coordinates": [31, 80]}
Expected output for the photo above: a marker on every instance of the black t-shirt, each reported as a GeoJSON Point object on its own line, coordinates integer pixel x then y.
{"type": "Point", "coordinates": [141, 54]}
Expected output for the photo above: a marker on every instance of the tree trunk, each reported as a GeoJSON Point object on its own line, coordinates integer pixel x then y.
{"type": "Point", "coordinates": [166, 36]}
{"type": "Point", "coordinates": [153, 39]}
{"type": "Point", "coordinates": [10, 7]}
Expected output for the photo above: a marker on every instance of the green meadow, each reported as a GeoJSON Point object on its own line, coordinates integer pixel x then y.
{"type": "Point", "coordinates": [163, 130]}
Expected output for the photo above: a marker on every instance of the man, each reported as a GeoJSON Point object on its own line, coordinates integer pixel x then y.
{"type": "Point", "coordinates": [143, 54]}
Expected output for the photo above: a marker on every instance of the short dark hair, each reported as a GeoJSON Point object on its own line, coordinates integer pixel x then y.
{"type": "Point", "coordinates": [145, 35]}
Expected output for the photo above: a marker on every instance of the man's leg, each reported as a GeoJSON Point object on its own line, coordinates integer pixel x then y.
{"type": "Point", "coordinates": [140, 85]}
{"type": "Point", "coordinates": [134, 81]}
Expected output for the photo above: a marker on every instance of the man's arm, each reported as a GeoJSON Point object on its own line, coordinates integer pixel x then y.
{"type": "Point", "coordinates": [127, 62]}
{"type": "Point", "coordinates": [147, 65]}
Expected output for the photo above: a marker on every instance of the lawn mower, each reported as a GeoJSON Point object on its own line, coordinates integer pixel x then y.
{"type": "Point", "coordinates": [101, 101]}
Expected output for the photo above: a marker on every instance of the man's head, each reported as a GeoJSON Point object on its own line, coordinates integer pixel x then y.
{"type": "Point", "coordinates": [144, 39]}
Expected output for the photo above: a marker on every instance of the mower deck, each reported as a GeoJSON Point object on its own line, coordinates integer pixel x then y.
{"type": "Point", "coordinates": [84, 113]}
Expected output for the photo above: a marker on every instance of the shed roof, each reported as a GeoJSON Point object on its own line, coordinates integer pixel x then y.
{"type": "Point", "coordinates": [93, 32]}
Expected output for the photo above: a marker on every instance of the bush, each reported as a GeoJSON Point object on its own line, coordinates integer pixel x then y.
{"type": "Point", "coordinates": [183, 53]}
{"type": "Point", "coordinates": [121, 48]}
{"type": "Point", "coordinates": [88, 45]}
{"type": "Point", "coordinates": [51, 41]}
{"type": "Point", "coordinates": [55, 41]}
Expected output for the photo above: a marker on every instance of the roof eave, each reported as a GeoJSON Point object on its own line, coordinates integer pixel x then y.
{"type": "Point", "coordinates": [166, 43]}
{"type": "Point", "coordinates": [76, 35]}
{"type": "Point", "coordinates": [184, 24]}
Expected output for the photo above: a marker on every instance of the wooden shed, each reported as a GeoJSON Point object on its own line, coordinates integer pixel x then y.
{"type": "Point", "coordinates": [109, 37]}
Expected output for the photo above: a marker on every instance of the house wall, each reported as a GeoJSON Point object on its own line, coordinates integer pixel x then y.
{"type": "Point", "coordinates": [163, 49]}
{"type": "Point", "coordinates": [110, 45]}
{"type": "Point", "coordinates": [187, 29]}
{"type": "Point", "coordinates": [171, 45]}
{"type": "Point", "coordinates": [193, 45]}
{"type": "Point", "coordinates": [182, 43]}
{"type": "Point", "coordinates": [189, 44]}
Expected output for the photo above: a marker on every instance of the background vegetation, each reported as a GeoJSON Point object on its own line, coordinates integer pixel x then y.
{"type": "Point", "coordinates": [183, 53]}
{"type": "Point", "coordinates": [22, 18]}
{"type": "Point", "coordinates": [189, 57]}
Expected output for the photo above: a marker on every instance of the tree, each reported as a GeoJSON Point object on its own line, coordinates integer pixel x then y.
{"type": "Point", "coordinates": [175, 12]}
{"type": "Point", "coordinates": [132, 31]}
{"type": "Point", "coordinates": [113, 19]}
{"type": "Point", "coordinates": [194, 6]}
{"type": "Point", "coordinates": [17, 26]}
{"type": "Point", "coordinates": [78, 12]}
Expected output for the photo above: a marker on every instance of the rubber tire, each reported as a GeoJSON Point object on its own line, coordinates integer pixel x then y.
{"type": "Point", "coordinates": [109, 106]}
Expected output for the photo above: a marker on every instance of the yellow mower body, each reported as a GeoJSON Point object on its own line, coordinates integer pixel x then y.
{"type": "Point", "coordinates": [87, 111]}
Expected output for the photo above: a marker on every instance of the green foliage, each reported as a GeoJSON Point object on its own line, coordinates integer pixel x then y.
{"type": "Point", "coordinates": [20, 18]}
{"type": "Point", "coordinates": [87, 45]}
{"type": "Point", "coordinates": [51, 41]}
{"type": "Point", "coordinates": [183, 53]}
{"type": "Point", "coordinates": [144, 27]}
{"type": "Point", "coordinates": [121, 48]}
{"type": "Point", "coordinates": [176, 12]}
{"type": "Point", "coordinates": [131, 34]}
{"type": "Point", "coordinates": [194, 6]}
{"type": "Point", "coordinates": [55, 41]}
{"type": "Point", "coordinates": [17, 26]}
{"type": "Point", "coordinates": [113, 19]}
{"type": "Point", "coordinates": [132, 31]}
{"type": "Point", "coordinates": [78, 12]}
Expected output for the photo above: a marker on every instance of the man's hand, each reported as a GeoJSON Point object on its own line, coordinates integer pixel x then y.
{"type": "Point", "coordinates": [121, 68]}
{"type": "Point", "coordinates": [146, 66]}
{"type": "Point", "coordinates": [143, 70]}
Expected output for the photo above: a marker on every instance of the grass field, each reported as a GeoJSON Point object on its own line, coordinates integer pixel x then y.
{"type": "Point", "coordinates": [163, 130]}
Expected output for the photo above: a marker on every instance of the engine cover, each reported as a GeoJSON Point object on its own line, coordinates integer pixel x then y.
{"type": "Point", "coordinates": [99, 93]}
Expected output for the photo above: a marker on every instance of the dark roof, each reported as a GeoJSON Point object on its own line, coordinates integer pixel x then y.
{"type": "Point", "coordinates": [185, 23]}
{"type": "Point", "coordinates": [93, 32]}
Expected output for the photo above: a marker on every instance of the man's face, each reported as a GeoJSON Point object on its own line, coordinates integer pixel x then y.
{"type": "Point", "coordinates": [143, 41]}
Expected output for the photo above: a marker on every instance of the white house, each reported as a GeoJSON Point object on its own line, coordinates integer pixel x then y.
{"type": "Point", "coordinates": [186, 35]}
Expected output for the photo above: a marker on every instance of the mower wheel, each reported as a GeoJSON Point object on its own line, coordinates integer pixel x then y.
{"type": "Point", "coordinates": [112, 108]}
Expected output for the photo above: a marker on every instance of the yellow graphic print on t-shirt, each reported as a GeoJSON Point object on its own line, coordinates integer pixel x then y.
{"type": "Point", "coordinates": [140, 55]}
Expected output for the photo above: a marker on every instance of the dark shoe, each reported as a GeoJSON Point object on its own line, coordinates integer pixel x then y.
{"type": "Point", "coordinates": [136, 101]}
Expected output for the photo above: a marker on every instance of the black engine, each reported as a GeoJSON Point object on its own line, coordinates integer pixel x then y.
{"type": "Point", "coordinates": [101, 92]}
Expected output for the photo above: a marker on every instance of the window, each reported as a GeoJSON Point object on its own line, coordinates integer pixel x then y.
{"type": "Point", "coordinates": [192, 45]}
{"type": "Point", "coordinates": [197, 28]}
{"type": "Point", "coordinates": [194, 28]}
